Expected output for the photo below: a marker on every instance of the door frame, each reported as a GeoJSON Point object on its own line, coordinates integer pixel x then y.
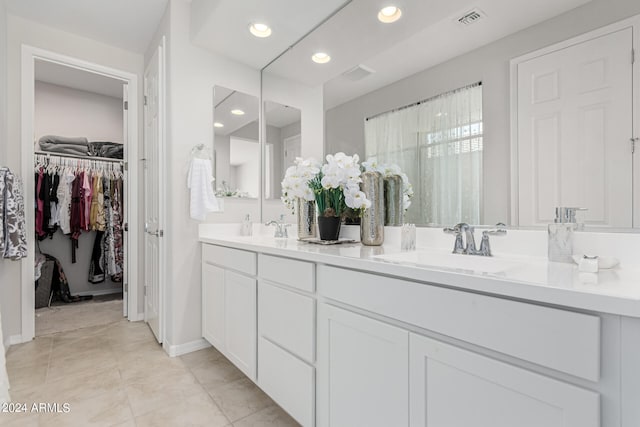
{"type": "Point", "coordinates": [29, 55]}
{"type": "Point", "coordinates": [632, 22]}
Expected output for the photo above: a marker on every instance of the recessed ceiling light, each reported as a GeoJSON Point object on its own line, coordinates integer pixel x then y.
{"type": "Point", "coordinates": [260, 30]}
{"type": "Point", "coordinates": [321, 58]}
{"type": "Point", "coordinates": [389, 14]}
{"type": "Point", "coordinates": [218, 125]}
{"type": "Point", "coordinates": [237, 112]}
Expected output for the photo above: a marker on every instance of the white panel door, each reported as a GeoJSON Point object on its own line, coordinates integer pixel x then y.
{"type": "Point", "coordinates": [451, 387]}
{"type": "Point", "coordinates": [213, 305]}
{"type": "Point", "coordinates": [362, 371]}
{"type": "Point", "coordinates": [153, 151]}
{"type": "Point", "coordinates": [240, 319]}
{"type": "Point", "coordinates": [574, 123]}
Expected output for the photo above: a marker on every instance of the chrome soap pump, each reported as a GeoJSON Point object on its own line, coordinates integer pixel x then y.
{"type": "Point", "coordinates": [560, 235]}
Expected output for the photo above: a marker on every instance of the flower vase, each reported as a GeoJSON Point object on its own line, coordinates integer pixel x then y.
{"type": "Point", "coordinates": [372, 222]}
{"type": "Point", "coordinates": [306, 215]}
{"type": "Point", "coordinates": [329, 227]}
{"type": "Point", "coordinates": [393, 196]}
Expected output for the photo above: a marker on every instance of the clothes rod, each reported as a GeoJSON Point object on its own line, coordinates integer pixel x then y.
{"type": "Point", "coordinates": [75, 156]}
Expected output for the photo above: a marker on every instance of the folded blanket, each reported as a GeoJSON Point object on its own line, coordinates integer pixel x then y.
{"type": "Point", "coordinates": [66, 145]}
{"type": "Point", "coordinates": [55, 139]}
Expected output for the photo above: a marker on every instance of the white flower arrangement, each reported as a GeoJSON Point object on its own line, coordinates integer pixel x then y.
{"type": "Point", "coordinates": [295, 184]}
{"type": "Point", "coordinates": [334, 186]}
{"type": "Point", "coordinates": [388, 170]}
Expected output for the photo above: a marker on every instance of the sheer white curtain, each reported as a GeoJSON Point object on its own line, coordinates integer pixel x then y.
{"type": "Point", "coordinates": [438, 143]}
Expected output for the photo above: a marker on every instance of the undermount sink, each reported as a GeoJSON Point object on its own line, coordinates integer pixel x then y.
{"type": "Point", "coordinates": [449, 261]}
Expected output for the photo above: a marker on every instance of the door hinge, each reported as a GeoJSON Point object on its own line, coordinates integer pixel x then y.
{"type": "Point", "coordinates": [126, 287]}
{"type": "Point", "coordinates": [145, 290]}
{"type": "Point", "coordinates": [145, 100]}
{"type": "Point", "coordinates": [633, 56]}
{"type": "Point", "coordinates": [633, 144]}
{"type": "Point", "coordinates": [126, 105]}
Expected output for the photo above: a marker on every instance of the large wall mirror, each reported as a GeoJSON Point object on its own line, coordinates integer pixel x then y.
{"type": "Point", "coordinates": [236, 144]}
{"type": "Point", "coordinates": [434, 93]}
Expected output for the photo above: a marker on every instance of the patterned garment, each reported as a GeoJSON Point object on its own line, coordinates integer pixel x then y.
{"type": "Point", "coordinates": [3, 174]}
{"type": "Point", "coordinates": [13, 219]}
{"type": "Point", "coordinates": [109, 241]}
{"type": "Point", "coordinates": [118, 238]}
{"type": "Point", "coordinates": [97, 216]}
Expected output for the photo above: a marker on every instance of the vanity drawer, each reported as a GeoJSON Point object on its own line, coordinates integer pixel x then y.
{"type": "Point", "coordinates": [290, 272]}
{"type": "Point", "coordinates": [287, 318]}
{"type": "Point", "coordinates": [234, 259]}
{"type": "Point", "coordinates": [558, 339]}
{"type": "Point", "coordinates": [288, 381]}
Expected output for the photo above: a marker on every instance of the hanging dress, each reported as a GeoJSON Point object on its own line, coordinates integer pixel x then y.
{"type": "Point", "coordinates": [76, 214]}
{"type": "Point", "coordinates": [118, 238]}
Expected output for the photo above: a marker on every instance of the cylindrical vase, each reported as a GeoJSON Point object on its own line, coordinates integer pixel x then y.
{"type": "Point", "coordinates": [306, 214]}
{"type": "Point", "coordinates": [393, 200]}
{"type": "Point", "coordinates": [372, 222]}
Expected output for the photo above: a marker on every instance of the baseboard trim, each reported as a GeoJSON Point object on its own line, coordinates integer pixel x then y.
{"type": "Point", "coordinates": [101, 292]}
{"type": "Point", "coordinates": [180, 349]}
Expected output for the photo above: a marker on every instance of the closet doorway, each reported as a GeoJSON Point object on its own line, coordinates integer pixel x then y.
{"type": "Point", "coordinates": [79, 133]}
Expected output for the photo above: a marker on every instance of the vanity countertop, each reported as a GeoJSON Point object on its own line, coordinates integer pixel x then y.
{"type": "Point", "coordinates": [615, 291]}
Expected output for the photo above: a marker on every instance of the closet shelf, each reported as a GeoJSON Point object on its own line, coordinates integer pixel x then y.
{"type": "Point", "coordinates": [74, 156]}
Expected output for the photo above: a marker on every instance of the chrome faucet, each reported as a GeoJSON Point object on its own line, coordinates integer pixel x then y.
{"type": "Point", "coordinates": [281, 227]}
{"type": "Point", "coordinates": [464, 230]}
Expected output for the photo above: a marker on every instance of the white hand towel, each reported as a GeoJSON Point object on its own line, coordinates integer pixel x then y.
{"type": "Point", "coordinates": [199, 182]}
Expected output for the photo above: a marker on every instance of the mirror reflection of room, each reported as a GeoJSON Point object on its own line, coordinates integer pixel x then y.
{"type": "Point", "coordinates": [236, 144]}
{"type": "Point", "coordinates": [283, 144]}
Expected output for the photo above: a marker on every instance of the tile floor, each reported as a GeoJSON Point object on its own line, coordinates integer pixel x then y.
{"type": "Point", "coordinates": [62, 317]}
{"type": "Point", "coordinates": [117, 375]}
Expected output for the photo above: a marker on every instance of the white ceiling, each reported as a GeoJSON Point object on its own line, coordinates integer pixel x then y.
{"type": "Point", "coordinates": [127, 24]}
{"type": "Point", "coordinates": [427, 34]}
{"type": "Point", "coordinates": [279, 115]}
{"type": "Point", "coordinates": [50, 72]}
{"type": "Point", "coordinates": [225, 100]}
{"type": "Point", "coordinates": [223, 26]}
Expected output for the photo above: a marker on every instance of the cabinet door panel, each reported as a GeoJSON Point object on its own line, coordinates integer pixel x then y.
{"type": "Point", "coordinates": [362, 371]}
{"type": "Point", "coordinates": [240, 322]}
{"type": "Point", "coordinates": [457, 388]}
{"type": "Point", "coordinates": [213, 305]}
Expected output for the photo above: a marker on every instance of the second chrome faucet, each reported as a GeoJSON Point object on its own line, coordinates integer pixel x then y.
{"type": "Point", "coordinates": [465, 242]}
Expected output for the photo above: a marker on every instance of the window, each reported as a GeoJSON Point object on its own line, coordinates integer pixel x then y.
{"type": "Point", "coordinates": [438, 143]}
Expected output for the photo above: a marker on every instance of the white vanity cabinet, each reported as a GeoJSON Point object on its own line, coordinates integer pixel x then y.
{"type": "Point", "coordinates": [450, 386]}
{"type": "Point", "coordinates": [286, 330]}
{"type": "Point", "coordinates": [362, 371]}
{"type": "Point", "coordinates": [229, 304]}
{"type": "Point", "coordinates": [376, 367]}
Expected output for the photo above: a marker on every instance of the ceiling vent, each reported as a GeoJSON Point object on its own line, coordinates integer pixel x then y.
{"type": "Point", "coordinates": [358, 72]}
{"type": "Point", "coordinates": [471, 17]}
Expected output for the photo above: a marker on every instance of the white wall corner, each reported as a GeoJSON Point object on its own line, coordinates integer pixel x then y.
{"type": "Point", "coordinates": [189, 347]}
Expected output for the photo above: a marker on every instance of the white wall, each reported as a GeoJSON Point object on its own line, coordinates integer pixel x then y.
{"type": "Point", "coordinates": [4, 270]}
{"type": "Point", "coordinates": [21, 31]}
{"type": "Point", "coordinates": [64, 111]}
{"type": "Point", "coordinates": [192, 74]}
{"type": "Point", "coordinates": [489, 64]}
{"type": "Point", "coordinates": [60, 110]}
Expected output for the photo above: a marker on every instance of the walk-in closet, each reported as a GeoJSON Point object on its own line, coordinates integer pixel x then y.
{"type": "Point", "coordinates": [79, 198]}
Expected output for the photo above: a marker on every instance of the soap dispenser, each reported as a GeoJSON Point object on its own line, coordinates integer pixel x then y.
{"type": "Point", "coordinates": [247, 226]}
{"type": "Point", "coordinates": [560, 243]}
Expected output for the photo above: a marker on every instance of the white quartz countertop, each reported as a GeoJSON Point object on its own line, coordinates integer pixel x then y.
{"type": "Point", "coordinates": [531, 278]}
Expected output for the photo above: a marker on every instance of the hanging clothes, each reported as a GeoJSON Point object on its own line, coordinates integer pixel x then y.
{"type": "Point", "coordinates": [97, 216]}
{"type": "Point", "coordinates": [13, 241]}
{"type": "Point", "coordinates": [86, 201]}
{"type": "Point", "coordinates": [64, 200]}
{"type": "Point", "coordinates": [76, 214]}
{"type": "Point", "coordinates": [39, 202]}
{"type": "Point", "coordinates": [118, 237]}
{"type": "Point", "coordinates": [96, 270]}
